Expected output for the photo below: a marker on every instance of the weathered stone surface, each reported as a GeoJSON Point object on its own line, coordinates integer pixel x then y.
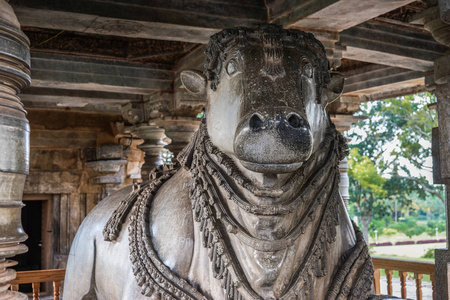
{"type": "Point", "coordinates": [55, 160]}
{"type": "Point", "coordinates": [442, 69]}
{"type": "Point", "coordinates": [63, 138]}
{"type": "Point", "coordinates": [11, 186]}
{"type": "Point", "coordinates": [14, 143]}
{"type": "Point", "coordinates": [153, 146]}
{"type": "Point", "coordinates": [180, 130]}
{"type": "Point", "coordinates": [442, 261]}
{"type": "Point", "coordinates": [444, 11]}
{"type": "Point", "coordinates": [135, 160]}
{"type": "Point", "coordinates": [254, 210]}
{"type": "Point", "coordinates": [431, 20]}
{"type": "Point", "coordinates": [107, 179]}
{"type": "Point", "coordinates": [58, 182]}
{"type": "Point", "coordinates": [443, 108]}
{"type": "Point", "coordinates": [109, 166]}
{"type": "Point", "coordinates": [110, 151]}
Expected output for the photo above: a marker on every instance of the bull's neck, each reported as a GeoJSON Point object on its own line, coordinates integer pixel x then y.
{"type": "Point", "coordinates": [230, 209]}
{"type": "Point", "coordinates": [284, 197]}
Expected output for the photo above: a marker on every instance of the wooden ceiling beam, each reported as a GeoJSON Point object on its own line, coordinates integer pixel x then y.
{"type": "Point", "coordinates": [328, 15]}
{"type": "Point", "coordinates": [382, 80]}
{"type": "Point", "coordinates": [177, 21]}
{"type": "Point", "coordinates": [101, 102]}
{"type": "Point", "coordinates": [92, 74]}
{"type": "Point", "coordinates": [392, 44]}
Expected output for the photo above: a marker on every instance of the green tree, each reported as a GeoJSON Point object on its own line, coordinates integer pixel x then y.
{"type": "Point", "coordinates": [396, 136]}
{"type": "Point", "coordinates": [388, 153]}
{"type": "Point", "coordinates": [366, 189]}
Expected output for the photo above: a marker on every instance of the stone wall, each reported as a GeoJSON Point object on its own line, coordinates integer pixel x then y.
{"type": "Point", "coordinates": [59, 143]}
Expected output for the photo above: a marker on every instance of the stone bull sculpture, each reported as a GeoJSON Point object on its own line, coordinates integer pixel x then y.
{"type": "Point", "coordinates": [253, 209]}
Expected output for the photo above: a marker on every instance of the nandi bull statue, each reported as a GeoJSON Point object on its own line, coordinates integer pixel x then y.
{"type": "Point", "coordinates": [252, 211]}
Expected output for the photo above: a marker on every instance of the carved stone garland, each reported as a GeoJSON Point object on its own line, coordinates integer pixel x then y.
{"type": "Point", "coordinates": [206, 164]}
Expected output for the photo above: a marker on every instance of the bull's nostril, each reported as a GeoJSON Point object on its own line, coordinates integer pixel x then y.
{"type": "Point", "coordinates": [295, 121]}
{"type": "Point", "coordinates": [255, 122]}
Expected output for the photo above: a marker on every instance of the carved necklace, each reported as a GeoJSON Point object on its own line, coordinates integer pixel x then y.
{"type": "Point", "coordinates": [215, 223]}
{"type": "Point", "coordinates": [203, 192]}
{"type": "Point", "coordinates": [212, 215]}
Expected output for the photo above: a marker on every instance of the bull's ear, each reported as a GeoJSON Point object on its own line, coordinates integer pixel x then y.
{"type": "Point", "coordinates": [194, 82]}
{"type": "Point", "coordinates": [333, 89]}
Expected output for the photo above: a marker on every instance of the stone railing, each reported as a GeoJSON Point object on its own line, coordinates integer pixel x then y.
{"type": "Point", "coordinates": [403, 267]}
{"type": "Point", "coordinates": [37, 277]}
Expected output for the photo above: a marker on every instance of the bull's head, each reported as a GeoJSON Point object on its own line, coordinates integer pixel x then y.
{"type": "Point", "coordinates": [268, 89]}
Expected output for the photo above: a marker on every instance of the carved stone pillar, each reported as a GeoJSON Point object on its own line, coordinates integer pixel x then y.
{"type": "Point", "coordinates": [110, 164]}
{"type": "Point", "coordinates": [14, 143]}
{"type": "Point", "coordinates": [344, 184]}
{"type": "Point", "coordinates": [179, 130]}
{"type": "Point", "coordinates": [444, 10]}
{"type": "Point", "coordinates": [135, 159]}
{"type": "Point", "coordinates": [431, 19]}
{"type": "Point", "coordinates": [153, 146]}
{"type": "Point", "coordinates": [442, 271]}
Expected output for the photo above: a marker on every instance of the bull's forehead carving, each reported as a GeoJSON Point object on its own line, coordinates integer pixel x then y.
{"type": "Point", "coordinates": [249, 71]}
{"type": "Point", "coordinates": [272, 39]}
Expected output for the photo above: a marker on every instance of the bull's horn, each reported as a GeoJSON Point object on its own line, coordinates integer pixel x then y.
{"type": "Point", "coordinates": [333, 89]}
{"type": "Point", "coordinates": [194, 82]}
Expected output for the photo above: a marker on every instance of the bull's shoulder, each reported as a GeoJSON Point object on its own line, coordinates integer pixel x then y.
{"type": "Point", "coordinates": [172, 224]}
{"type": "Point", "coordinates": [95, 221]}
{"type": "Point", "coordinates": [89, 252]}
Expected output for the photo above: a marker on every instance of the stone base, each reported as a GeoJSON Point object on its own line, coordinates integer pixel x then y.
{"type": "Point", "coordinates": [9, 295]}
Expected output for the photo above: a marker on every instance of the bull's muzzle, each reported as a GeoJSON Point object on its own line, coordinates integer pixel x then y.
{"type": "Point", "coordinates": [274, 140]}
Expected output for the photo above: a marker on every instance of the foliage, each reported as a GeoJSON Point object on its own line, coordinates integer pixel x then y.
{"type": "Point", "coordinates": [396, 136]}
{"type": "Point", "coordinates": [377, 224]}
{"type": "Point", "coordinates": [366, 188]}
{"type": "Point", "coordinates": [387, 162]}
{"type": "Point", "coordinates": [409, 227]}
{"type": "Point", "coordinates": [432, 225]}
{"type": "Point", "coordinates": [389, 231]}
{"type": "Point", "coordinates": [429, 253]}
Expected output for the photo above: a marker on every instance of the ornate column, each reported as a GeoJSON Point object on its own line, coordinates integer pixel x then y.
{"type": "Point", "coordinates": [442, 256]}
{"type": "Point", "coordinates": [109, 163]}
{"type": "Point", "coordinates": [344, 184]}
{"type": "Point", "coordinates": [14, 143]}
{"type": "Point", "coordinates": [153, 145]}
{"type": "Point", "coordinates": [434, 19]}
{"type": "Point", "coordinates": [179, 130]}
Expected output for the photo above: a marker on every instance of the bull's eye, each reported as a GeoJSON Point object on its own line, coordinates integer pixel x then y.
{"type": "Point", "coordinates": [308, 70]}
{"type": "Point", "coordinates": [232, 67]}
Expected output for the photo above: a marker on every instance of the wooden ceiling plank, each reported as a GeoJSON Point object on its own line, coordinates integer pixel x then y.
{"type": "Point", "coordinates": [392, 45]}
{"type": "Point", "coordinates": [81, 73]}
{"type": "Point", "coordinates": [328, 15]}
{"type": "Point", "coordinates": [187, 22]}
